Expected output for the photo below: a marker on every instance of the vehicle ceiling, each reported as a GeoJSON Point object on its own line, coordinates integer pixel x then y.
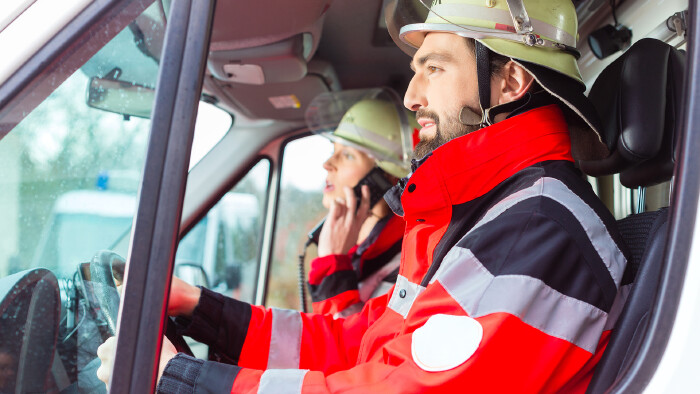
{"type": "Point", "coordinates": [346, 33]}
{"type": "Point", "coordinates": [362, 55]}
{"type": "Point", "coordinates": [268, 59]}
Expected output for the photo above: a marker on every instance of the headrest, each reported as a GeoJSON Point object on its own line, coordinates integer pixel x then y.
{"type": "Point", "coordinates": [638, 98]}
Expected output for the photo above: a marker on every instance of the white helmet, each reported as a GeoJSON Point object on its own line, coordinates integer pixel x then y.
{"type": "Point", "coordinates": [539, 35]}
{"type": "Point", "coordinates": [370, 120]}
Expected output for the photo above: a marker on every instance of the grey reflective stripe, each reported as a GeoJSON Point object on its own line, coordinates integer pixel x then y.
{"type": "Point", "coordinates": [594, 227]}
{"type": "Point", "coordinates": [373, 153]}
{"type": "Point", "coordinates": [282, 381]}
{"type": "Point", "coordinates": [374, 286]}
{"type": "Point", "coordinates": [347, 130]}
{"type": "Point", "coordinates": [480, 293]}
{"type": "Point", "coordinates": [616, 310]}
{"type": "Point", "coordinates": [402, 305]}
{"type": "Point", "coordinates": [285, 339]}
{"type": "Point", "coordinates": [499, 16]}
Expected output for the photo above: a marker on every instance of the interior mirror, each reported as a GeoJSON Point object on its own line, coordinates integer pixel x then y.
{"type": "Point", "coordinates": [125, 98]}
{"type": "Point", "coordinates": [192, 273]}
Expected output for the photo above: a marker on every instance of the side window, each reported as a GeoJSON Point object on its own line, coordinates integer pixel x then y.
{"type": "Point", "coordinates": [69, 175]}
{"type": "Point", "coordinates": [226, 242]}
{"type": "Point", "coordinates": [300, 208]}
{"type": "Point", "coordinates": [211, 126]}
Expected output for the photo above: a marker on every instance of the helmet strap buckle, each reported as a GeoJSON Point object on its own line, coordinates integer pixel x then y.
{"type": "Point", "coordinates": [521, 21]}
{"type": "Point", "coordinates": [469, 117]}
{"type": "Point", "coordinates": [531, 39]}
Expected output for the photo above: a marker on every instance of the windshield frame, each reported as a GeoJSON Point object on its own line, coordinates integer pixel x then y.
{"type": "Point", "coordinates": [64, 53]}
{"type": "Point", "coordinates": [161, 196]}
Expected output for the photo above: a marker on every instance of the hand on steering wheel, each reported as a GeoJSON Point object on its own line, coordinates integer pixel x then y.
{"type": "Point", "coordinates": [100, 282]}
{"type": "Point", "coordinates": [107, 351]}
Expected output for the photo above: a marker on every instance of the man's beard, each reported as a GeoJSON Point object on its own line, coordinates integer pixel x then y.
{"type": "Point", "coordinates": [445, 131]}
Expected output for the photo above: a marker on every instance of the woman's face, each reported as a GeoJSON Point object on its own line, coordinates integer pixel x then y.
{"type": "Point", "coordinates": [345, 167]}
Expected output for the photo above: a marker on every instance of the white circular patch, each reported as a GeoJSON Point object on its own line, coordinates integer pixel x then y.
{"type": "Point", "coordinates": [445, 341]}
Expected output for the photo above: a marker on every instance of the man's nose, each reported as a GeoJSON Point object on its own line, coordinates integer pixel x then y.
{"type": "Point", "coordinates": [415, 96]}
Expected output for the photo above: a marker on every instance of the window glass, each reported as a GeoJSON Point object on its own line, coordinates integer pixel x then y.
{"type": "Point", "coordinates": [226, 242]}
{"type": "Point", "coordinates": [69, 175]}
{"type": "Point", "coordinates": [302, 182]}
{"type": "Point", "coordinates": [212, 125]}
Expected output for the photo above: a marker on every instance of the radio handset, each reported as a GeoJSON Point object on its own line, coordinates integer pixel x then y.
{"type": "Point", "coordinates": [378, 186]}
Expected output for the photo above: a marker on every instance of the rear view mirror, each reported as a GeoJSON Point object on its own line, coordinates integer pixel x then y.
{"type": "Point", "coordinates": [125, 98]}
{"type": "Point", "coordinates": [192, 273]}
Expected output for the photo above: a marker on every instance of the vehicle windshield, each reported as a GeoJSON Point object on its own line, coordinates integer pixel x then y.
{"type": "Point", "coordinates": [70, 172]}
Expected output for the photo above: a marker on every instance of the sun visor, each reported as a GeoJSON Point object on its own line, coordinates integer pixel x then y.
{"type": "Point", "coordinates": [283, 61]}
{"type": "Point", "coordinates": [280, 101]}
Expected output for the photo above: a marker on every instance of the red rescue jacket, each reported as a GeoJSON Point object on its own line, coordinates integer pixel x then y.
{"type": "Point", "coordinates": [341, 284]}
{"type": "Point", "coordinates": [510, 279]}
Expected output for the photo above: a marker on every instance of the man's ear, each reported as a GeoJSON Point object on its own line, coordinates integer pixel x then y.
{"type": "Point", "coordinates": [510, 83]}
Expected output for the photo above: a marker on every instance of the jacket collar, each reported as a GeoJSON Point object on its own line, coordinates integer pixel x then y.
{"type": "Point", "coordinates": [470, 166]}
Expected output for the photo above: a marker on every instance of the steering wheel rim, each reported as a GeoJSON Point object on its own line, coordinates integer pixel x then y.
{"type": "Point", "coordinates": [101, 268]}
{"type": "Point", "coordinates": [104, 267]}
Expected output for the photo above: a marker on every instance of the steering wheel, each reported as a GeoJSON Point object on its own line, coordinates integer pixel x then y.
{"type": "Point", "coordinates": [99, 279]}
{"type": "Point", "coordinates": [30, 311]}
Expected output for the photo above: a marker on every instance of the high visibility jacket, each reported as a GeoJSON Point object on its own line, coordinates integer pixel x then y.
{"type": "Point", "coordinates": [341, 284]}
{"type": "Point", "coordinates": [509, 282]}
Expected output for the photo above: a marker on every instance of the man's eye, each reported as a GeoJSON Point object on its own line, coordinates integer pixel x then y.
{"type": "Point", "coordinates": [348, 155]}
{"type": "Point", "coordinates": [432, 69]}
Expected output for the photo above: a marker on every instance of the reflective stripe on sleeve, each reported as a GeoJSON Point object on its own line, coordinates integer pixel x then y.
{"type": "Point", "coordinates": [405, 292]}
{"type": "Point", "coordinates": [619, 303]}
{"type": "Point", "coordinates": [480, 293]}
{"type": "Point", "coordinates": [285, 339]}
{"type": "Point", "coordinates": [594, 227]}
{"type": "Point", "coordinates": [282, 381]}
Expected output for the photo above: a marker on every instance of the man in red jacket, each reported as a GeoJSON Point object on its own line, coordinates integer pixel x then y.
{"type": "Point", "coordinates": [510, 268]}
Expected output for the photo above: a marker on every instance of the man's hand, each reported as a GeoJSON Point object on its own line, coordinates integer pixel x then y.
{"type": "Point", "coordinates": [106, 353]}
{"type": "Point", "coordinates": [342, 227]}
{"type": "Point", "coordinates": [183, 298]}
{"type": "Point", "coordinates": [167, 352]}
{"type": "Point", "coordinates": [107, 350]}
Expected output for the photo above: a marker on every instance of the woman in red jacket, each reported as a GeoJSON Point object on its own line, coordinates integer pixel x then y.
{"type": "Point", "coordinates": [371, 134]}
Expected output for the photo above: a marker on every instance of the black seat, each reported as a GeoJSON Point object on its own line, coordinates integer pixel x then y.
{"type": "Point", "coordinates": [638, 98]}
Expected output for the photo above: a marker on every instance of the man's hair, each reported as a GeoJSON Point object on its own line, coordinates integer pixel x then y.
{"type": "Point", "coordinates": [497, 62]}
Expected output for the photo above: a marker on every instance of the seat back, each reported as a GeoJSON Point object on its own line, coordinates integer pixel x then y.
{"type": "Point", "coordinates": [645, 233]}
{"type": "Point", "coordinates": [639, 99]}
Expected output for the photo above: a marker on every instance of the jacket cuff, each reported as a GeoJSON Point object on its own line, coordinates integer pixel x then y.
{"type": "Point", "coordinates": [180, 375]}
{"type": "Point", "coordinates": [220, 322]}
{"type": "Point", "coordinates": [322, 267]}
{"type": "Point", "coordinates": [184, 374]}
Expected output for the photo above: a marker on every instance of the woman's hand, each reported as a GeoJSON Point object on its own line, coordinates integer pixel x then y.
{"type": "Point", "coordinates": [342, 227]}
{"type": "Point", "coordinates": [183, 298]}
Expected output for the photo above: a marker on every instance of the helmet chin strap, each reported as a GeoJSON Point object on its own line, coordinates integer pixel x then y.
{"type": "Point", "coordinates": [483, 76]}
{"type": "Point", "coordinates": [469, 117]}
